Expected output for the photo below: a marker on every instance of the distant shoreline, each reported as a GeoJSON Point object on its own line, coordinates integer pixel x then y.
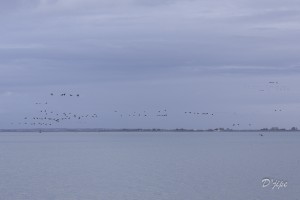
{"type": "Point", "coordinates": [146, 130]}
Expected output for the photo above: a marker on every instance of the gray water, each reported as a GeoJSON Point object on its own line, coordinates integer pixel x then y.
{"type": "Point", "coordinates": [144, 166]}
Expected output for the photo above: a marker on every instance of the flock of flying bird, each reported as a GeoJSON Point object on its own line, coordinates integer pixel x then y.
{"type": "Point", "coordinates": [273, 86]}
{"type": "Point", "coordinates": [159, 113]}
{"type": "Point", "coordinates": [48, 117]}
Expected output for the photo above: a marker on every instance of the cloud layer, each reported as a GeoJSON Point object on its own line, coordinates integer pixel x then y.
{"type": "Point", "coordinates": [62, 43]}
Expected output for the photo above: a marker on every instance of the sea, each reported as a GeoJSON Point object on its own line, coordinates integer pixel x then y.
{"type": "Point", "coordinates": [150, 166]}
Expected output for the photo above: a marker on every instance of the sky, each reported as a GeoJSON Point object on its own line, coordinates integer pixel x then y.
{"type": "Point", "coordinates": [202, 63]}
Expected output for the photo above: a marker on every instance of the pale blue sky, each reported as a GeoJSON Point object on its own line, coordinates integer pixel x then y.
{"type": "Point", "coordinates": [139, 55]}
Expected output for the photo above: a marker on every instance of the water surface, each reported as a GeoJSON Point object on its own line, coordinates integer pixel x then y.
{"type": "Point", "coordinates": [156, 166]}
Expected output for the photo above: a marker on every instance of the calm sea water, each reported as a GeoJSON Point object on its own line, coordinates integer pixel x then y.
{"type": "Point", "coordinates": [144, 166]}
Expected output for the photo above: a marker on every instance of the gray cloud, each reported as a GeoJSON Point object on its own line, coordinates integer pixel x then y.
{"type": "Point", "coordinates": [86, 43]}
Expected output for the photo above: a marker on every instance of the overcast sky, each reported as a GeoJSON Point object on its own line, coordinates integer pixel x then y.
{"type": "Point", "coordinates": [236, 59]}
